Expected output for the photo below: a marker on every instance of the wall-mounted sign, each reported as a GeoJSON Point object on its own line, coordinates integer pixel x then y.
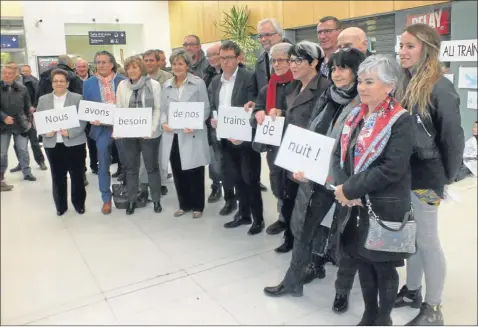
{"type": "Point", "coordinates": [460, 50]}
{"type": "Point", "coordinates": [439, 19]}
{"type": "Point", "coordinates": [46, 62]}
{"type": "Point", "coordinates": [9, 41]}
{"type": "Point", "coordinates": [107, 37]}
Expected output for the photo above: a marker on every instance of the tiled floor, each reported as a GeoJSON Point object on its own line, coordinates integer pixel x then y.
{"type": "Point", "coordinates": [156, 269]}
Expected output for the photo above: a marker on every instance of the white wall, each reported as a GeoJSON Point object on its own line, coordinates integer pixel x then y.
{"type": "Point", "coordinates": [49, 37]}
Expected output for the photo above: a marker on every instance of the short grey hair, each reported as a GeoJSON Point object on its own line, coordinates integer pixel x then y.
{"type": "Point", "coordinates": [65, 60]}
{"type": "Point", "coordinates": [282, 47]}
{"type": "Point", "coordinates": [386, 67]}
{"type": "Point", "coordinates": [275, 23]}
{"type": "Point", "coordinates": [181, 53]}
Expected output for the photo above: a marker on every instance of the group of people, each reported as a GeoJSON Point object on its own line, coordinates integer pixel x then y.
{"type": "Point", "coordinates": [398, 135]}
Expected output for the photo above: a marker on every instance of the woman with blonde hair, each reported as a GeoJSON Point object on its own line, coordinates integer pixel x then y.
{"type": "Point", "coordinates": [434, 105]}
{"type": "Point", "coordinates": [140, 91]}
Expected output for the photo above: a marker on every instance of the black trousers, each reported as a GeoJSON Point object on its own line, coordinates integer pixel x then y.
{"type": "Point", "coordinates": [378, 281]}
{"type": "Point", "coordinates": [35, 145]}
{"type": "Point", "coordinates": [189, 183]}
{"type": "Point", "coordinates": [288, 202]}
{"type": "Point", "coordinates": [92, 151]}
{"type": "Point", "coordinates": [65, 160]}
{"type": "Point", "coordinates": [133, 148]}
{"type": "Point", "coordinates": [346, 274]}
{"type": "Point", "coordinates": [242, 165]}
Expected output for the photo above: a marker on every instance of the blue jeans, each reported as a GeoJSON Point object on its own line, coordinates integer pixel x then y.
{"type": "Point", "coordinates": [21, 143]}
{"type": "Point", "coordinates": [104, 144]}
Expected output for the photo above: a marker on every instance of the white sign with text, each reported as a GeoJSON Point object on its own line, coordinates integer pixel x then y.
{"type": "Point", "coordinates": [270, 132]}
{"type": "Point", "coordinates": [55, 119]}
{"type": "Point", "coordinates": [233, 123]}
{"type": "Point", "coordinates": [186, 115]}
{"type": "Point", "coordinates": [133, 122]}
{"type": "Point", "coordinates": [306, 151]}
{"type": "Point", "coordinates": [92, 111]}
{"type": "Point", "coordinates": [460, 50]}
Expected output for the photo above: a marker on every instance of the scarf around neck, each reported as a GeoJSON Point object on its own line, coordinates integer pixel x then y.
{"type": "Point", "coordinates": [272, 88]}
{"type": "Point", "coordinates": [142, 89]}
{"type": "Point", "coordinates": [342, 95]}
{"type": "Point", "coordinates": [107, 88]}
{"type": "Point", "coordinates": [374, 135]}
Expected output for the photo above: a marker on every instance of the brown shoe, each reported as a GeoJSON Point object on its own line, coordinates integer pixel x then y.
{"type": "Point", "coordinates": [106, 210]}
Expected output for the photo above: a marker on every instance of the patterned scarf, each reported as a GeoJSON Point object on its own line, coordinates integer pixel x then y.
{"type": "Point", "coordinates": [107, 88]}
{"type": "Point", "coordinates": [374, 135]}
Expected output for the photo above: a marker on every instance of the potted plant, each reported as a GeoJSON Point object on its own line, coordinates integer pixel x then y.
{"type": "Point", "coordinates": [235, 27]}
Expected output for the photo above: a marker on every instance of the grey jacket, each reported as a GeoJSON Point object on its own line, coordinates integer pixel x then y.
{"type": "Point", "coordinates": [76, 136]}
{"type": "Point", "coordinates": [200, 66]}
{"type": "Point", "coordinates": [193, 147]}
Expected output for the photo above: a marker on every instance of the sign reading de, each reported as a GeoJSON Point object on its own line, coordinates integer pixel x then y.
{"type": "Point", "coordinates": [233, 123]}
{"type": "Point", "coordinates": [270, 132]}
{"type": "Point", "coordinates": [133, 122]}
{"type": "Point", "coordinates": [438, 19]}
{"type": "Point", "coordinates": [306, 151]}
{"type": "Point", "coordinates": [186, 115]}
{"type": "Point", "coordinates": [93, 111]}
{"type": "Point", "coordinates": [106, 37]}
{"type": "Point", "coordinates": [47, 121]}
{"type": "Point", "coordinates": [460, 50]}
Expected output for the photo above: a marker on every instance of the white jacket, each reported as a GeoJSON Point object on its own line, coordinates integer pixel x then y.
{"type": "Point", "coordinates": [124, 93]}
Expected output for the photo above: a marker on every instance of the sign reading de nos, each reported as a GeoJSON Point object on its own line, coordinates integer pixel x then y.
{"type": "Point", "coordinates": [438, 19]}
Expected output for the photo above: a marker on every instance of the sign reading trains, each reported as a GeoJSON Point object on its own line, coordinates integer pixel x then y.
{"type": "Point", "coordinates": [106, 37]}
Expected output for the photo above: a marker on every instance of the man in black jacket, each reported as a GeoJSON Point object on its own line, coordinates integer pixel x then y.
{"type": "Point", "coordinates": [65, 63]}
{"type": "Point", "coordinates": [241, 164]}
{"type": "Point", "coordinates": [31, 84]}
{"type": "Point", "coordinates": [14, 109]}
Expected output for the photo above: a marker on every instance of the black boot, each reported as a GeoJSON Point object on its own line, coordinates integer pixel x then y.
{"type": "Point", "coordinates": [216, 194]}
{"type": "Point", "coordinates": [288, 242]}
{"type": "Point", "coordinates": [157, 207]}
{"type": "Point", "coordinates": [17, 168]}
{"type": "Point", "coordinates": [341, 303]}
{"type": "Point", "coordinates": [229, 207]}
{"type": "Point", "coordinates": [430, 315]}
{"type": "Point", "coordinates": [314, 270]}
{"type": "Point", "coordinates": [276, 228]}
{"type": "Point", "coordinates": [279, 290]}
{"type": "Point", "coordinates": [368, 319]}
{"type": "Point", "coordinates": [409, 298]}
{"type": "Point", "coordinates": [131, 207]}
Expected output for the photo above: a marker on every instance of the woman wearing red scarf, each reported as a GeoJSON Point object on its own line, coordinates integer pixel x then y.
{"type": "Point", "coordinates": [372, 158]}
{"type": "Point", "coordinates": [272, 97]}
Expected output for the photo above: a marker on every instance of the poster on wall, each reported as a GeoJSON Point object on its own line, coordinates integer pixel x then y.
{"type": "Point", "coordinates": [467, 78]}
{"type": "Point", "coordinates": [46, 62]}
{"type": "Point", "coordinates": [438, 19]}
{"type": "Point", "coordinates": [459, 50]}
{"type": "Point", "coordinates": [472, 100]}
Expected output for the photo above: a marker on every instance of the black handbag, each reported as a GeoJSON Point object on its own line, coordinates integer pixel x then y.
{"type": "Point", "coordinates": [120, 196]}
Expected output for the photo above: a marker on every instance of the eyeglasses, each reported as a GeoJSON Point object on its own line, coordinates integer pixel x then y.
{"type": "Point", "coordinates": [189, 44]}
{"type": "Point", "coordinates": [102, 62]}
{"type": "Point", "coordinates": [280, 61]}
{"type": "Point", "coordinates": [263, 35]}
{"type": "Point", "coordinates": [326, 32]}
{"type": "Point", "coordinates": [227, 58]}
{"type": "Point", "coordinates": [213, 55]}
{"type": "Point", "coordinates": [56, 81]}
{"type": "Point", "coordinates": [297, 60]}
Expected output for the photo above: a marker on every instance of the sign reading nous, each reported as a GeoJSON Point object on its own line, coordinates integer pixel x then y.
{"type": "Point", "coordinates": [106, 37]}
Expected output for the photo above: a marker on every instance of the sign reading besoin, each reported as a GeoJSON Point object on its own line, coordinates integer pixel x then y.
{"type": "Point", "coordinates": [133, 122]}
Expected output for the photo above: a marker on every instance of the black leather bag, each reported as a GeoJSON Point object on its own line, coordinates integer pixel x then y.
{"type": "Point", "coordinates": [120, 196]}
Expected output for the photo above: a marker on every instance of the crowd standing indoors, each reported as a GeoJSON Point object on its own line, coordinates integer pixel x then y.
{"type": "Point", "coordinates": [396, 127]}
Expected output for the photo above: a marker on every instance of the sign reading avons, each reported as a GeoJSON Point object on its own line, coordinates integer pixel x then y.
{"type": "Point", "coordinates": [106, 37]}
{"type": "Point", "coordinates": [439, 19]}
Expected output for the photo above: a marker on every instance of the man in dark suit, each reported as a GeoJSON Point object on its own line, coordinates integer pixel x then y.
{"type": "Point", "coordinates": [241, 164]}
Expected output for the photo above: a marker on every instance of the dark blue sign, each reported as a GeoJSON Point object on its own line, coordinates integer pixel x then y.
{"type": "Point", "coordinates": [9, 41]}
{"type": "Point", "coordinates": [107, 37]}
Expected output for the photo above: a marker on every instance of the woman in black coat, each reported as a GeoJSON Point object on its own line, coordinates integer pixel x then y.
{"type": "Point", "coordinates": [272, 97]}
{"type": "Point", "coordinates": [372, 159]}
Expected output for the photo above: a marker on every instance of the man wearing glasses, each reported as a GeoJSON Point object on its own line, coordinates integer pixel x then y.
{"type": "Point", "coordinates": [328, 31]}
{"type": "Point", "coordinates": [102, 88]}
{"type": "Point", "coordinates": [192, 45]}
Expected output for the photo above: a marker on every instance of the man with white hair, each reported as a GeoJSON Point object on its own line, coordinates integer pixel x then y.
{"type": "Point", "coordinates": [82, 69]}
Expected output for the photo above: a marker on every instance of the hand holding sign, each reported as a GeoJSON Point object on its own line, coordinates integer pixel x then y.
{"type": "Point", "coordinates": [270, 132]}
{"type": "Point", "coordinates": [64, 132]}
{"type": "Point", "coordinates": [306, 151]}
{"type": "Point", "coordinates": [274, 112]}
{"type": "Point", "coordinates": [260, 115]}
{"type": "Point", "coordinates": [249, 106]}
